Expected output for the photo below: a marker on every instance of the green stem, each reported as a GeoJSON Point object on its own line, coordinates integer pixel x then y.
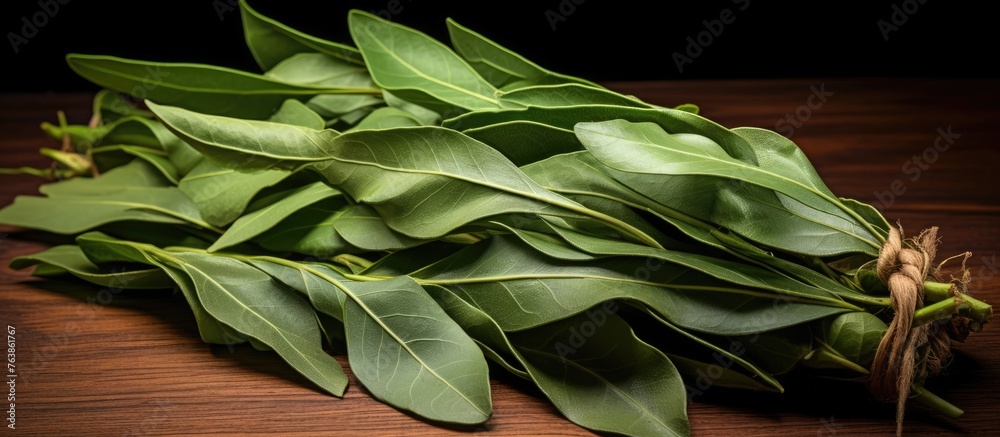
{"type": "Point", "coordinates": [621, 226]}
{"type": "Point", "coordinates": [936, 291]}
{"type": "Point", "coordinates": [352, 260]}
{"type": "Point", "coordinates": [924, 396]}
{"type": "Point", "coordinates": [44, 173]}
{"type": "Point", "coordinates": [974, 308]}
{"type": "Point", "coordinates": [365, 278]}
{"type": "Point", "coordinates": [937, 311]}
{"type": "Point", "coordinates": [968, 306]}
{"type": "Point", "coordinates": [826, 358]}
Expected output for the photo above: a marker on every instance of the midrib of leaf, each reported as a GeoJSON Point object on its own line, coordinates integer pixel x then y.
{"type": "Point", "coordinates": [482, 39]}
{"type": "Point", "coordinates": [329, 76]}
{"type": "Point", "coordinates": [122, 147]}
{"type": "Point", "coordinates": [158, 209]}
{"type": "Point", "coordinates": [426, 77]}
{"type": "Point", "coordinates": [737, 163]}
{"type": "Point", "coordinates": [209, 175]}
{"type": "Point", "coordinates": [371, 315]}
{"type": "Point", "coordinates": [604, 380]}
{"type": "Point", "coordinates": [499, 67]}
{"type": "Point", "coordinates": [784, 296]}
{"type": "Point", "coordinates": [303, 90]}
{"type": "Point", "coordinates": [493, 44]}
{"type": "Point", "coordinates": [613, 222]}
{"type": "Point", "coordinates": [260, 151]}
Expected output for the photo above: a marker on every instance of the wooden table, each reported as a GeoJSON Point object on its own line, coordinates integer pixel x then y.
{"type": "Point", "coordinates": [135, 365]}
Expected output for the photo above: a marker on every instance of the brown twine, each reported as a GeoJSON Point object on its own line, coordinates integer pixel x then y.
{"type": "Point", "coordinates": [907, 353]}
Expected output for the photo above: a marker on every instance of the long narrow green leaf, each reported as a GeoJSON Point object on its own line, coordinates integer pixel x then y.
{"type": "Point", "coordinates": [726, 353]}
{"type": "Point", "coordinates": [525, 142]}
{"type": "Point", "coordinates": [271, 42]}
{"type": "Point", "coordinates": [256, 222]}
{"type": "Point", "coordinates": [417, 67]}
{"type": "Point", "coordinates": [396, 171]}
{"type": "Point", "coordinates": [707, 183]}
{"type": "Point", "coordinates": [520, 288]}
{"type": "Point", "coordinates": [498, 64]}
{"type": "Point", "coordinates": [222, 193]}
{"type": "Point", "coordinates": [580, 174]}
{"type": "Point", "coordinates": [397, 335]}
{"type": "Point", "coordinates": [363, 228]}
{"type": "Point", "coordinates": [600, 376]}
{"type": "Point", "coordinates": [203, 88]}
{"type": "Point", "coordinates": [310, 279]}
{"type": "Point", "coordinates": [486, 333]}
{"type": "Point", "coordinates": [317, 69]}
{"type": "Point", "coordinates": [248, 144]}
{"type": "Point", "coordinates": [388, 117]}
{"type": "Point", "coordinates": [310, 231]}
{"type": "Point", "coordinates": [79, 205]}
{"type": "Point", "coordinates": [566, 117]}
{"type": "Point", "coordinates": [405, 261]}
{"type": "Point", "coordinates": [730, 271]}
{"type": "Point", "coordinates": [101, 248]}
{"type": "Point", "coordinates": [720, 376]}
{"type": "Point", "coordinates": [222, 190]}
{"type": "Point", "coordinates": [71, 259]}
{"type": "Point", "coordinates": [428, 181]}
{"type": "Point", "coordinates": [403, 347]}
{"type": "Point", "coordinates": [157, 159]}
{"type": "Point", "coordinates": [567, 94]}
{"type": "Point", "coordinates": [252, 303]}
{"type": "Point", "coordinates": [296, 113]}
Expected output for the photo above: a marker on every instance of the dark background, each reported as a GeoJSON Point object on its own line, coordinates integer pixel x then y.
{"type": "Point", "coordinates": [602, 40]}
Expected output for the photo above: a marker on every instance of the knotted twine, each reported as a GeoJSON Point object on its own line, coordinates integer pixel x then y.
{"type": "Point", "coordinates": [907, 353]}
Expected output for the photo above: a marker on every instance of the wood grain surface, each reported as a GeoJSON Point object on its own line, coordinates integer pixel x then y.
{"type": "Point", "coordinates": [92, 362]}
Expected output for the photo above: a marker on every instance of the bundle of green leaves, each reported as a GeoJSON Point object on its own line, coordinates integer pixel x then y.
{"type": "Point", "coordinates": [425, 210]}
